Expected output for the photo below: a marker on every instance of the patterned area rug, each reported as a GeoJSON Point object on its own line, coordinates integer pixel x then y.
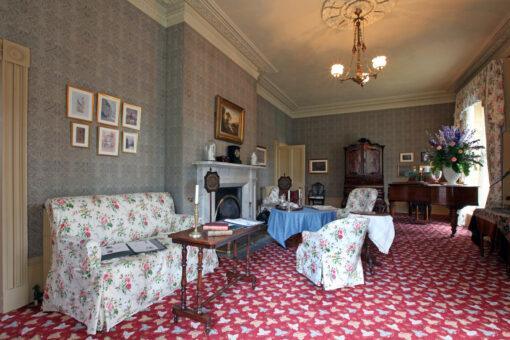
{"type": "Point", "coordinates": [430, 287]}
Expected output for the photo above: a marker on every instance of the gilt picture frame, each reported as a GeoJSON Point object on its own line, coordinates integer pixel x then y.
{"type": "Point", "coordinates": [318, 166]}
{"type": "Point", "coordinates": [404, 170]}
{"type": "Point", "coordinates": [129, 142]}
{"type": "Point", "coordinates": [261, 153]}
{"type": "Point", "coordinates": [80, 104]}
{"type": "Point", "coordinates": [80, 135]}
{"type": "Point", "coordinates": [406, 157]}
{"type": "Point", "coordinates": [108, 109]}
{"type": "Point", "coordinates": [131, 116]}
{"type": "Point", "coordinates": [229, 121]}
{"type": "Point", "coordinates": [107, 141]}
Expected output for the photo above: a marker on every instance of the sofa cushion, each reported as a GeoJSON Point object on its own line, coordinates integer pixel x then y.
{"type": "Point", "coordinates": [112, 219]}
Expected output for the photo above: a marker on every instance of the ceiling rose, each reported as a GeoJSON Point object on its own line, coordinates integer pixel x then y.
{"type": "Point", "coordinates": [339, 14]}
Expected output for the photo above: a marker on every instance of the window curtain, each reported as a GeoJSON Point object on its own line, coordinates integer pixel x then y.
{"type": "Point", "coordinates": [487, 87]}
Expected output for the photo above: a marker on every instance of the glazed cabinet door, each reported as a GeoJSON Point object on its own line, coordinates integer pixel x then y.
{"type": "Point", "coordinates": [373, 160]}
{"type": "Point", "coordinates": [354, 162]}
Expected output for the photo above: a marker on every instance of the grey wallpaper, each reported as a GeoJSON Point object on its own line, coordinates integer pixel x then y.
{"type": "Point", "coordinates": [174, 74]}
{"type": "Point", "coordinates": [272, 124]}
{"type": "Point", "coordinates": [400, 130]}
{"type": "Point", "coordinates": [107, 46]}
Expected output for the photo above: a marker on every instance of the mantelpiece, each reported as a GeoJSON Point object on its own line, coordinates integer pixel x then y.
{"type": "Point", "coordinates": [231, 175]}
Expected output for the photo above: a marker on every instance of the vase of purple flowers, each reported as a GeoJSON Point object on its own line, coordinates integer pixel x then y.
{"type": "Point", "coordinates": [455, 151]}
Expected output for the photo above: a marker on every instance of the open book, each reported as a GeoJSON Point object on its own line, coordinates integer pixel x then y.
{"type": "Point", "coordinates": [130, 248]}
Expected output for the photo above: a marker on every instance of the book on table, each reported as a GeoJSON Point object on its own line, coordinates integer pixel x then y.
{"type": "Point", "coordinates": [130, 248]}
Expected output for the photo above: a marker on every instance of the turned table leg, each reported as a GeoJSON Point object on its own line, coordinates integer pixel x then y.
{"type": "Point", "coordinates": [183, 282]}
{"type": "Point", "coordinates": [199, 284]}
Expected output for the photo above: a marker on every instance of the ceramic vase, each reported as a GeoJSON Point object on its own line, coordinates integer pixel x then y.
{"type": "Point", "coordinates": [450, 175]}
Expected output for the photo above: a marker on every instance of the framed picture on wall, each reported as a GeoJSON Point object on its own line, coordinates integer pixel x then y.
{"type": "Point", "coordinates": [80, 135]}
{"type": "Point", "coordinates": [131, 116]}
{"type": "Point", "coordinates": [107, 141]}
{"type": "Point", "coordinates": [318, 166]}
{"type": "Point", "coordinates": [229, 121]}
{"type": "Point", "coordinates": [261, 153]}
{"type": "Point", "coordinates": [404, 170]}
{"type": "Point", "coordinates": [129, 142]}
{"type": "Point", "coordinates": [80, 104]}
{"type": "Point", "coordinates": [406, 157]}
{"type": "Point", "coordinates": [424, 157]}
{"type": "Point", "coordinates": [108, 109]}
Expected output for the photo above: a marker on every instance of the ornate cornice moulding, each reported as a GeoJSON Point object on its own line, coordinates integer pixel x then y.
{"type": "Point", "coordinates": [207, 18]}
{"type": "Point", "coordinates": [428, 98]}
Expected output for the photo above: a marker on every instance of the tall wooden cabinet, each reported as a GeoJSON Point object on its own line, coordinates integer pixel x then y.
{"type": "Point", "coordinates": [364, 169]}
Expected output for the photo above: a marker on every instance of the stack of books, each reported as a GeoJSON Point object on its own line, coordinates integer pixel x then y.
{"type": "Point", "coordinates": [228, 227]}
{"type": "Point", "coordinates": [217, 229]}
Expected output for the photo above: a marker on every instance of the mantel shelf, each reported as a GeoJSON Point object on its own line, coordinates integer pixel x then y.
{"type": "Point", "coordinates": [214, 164]}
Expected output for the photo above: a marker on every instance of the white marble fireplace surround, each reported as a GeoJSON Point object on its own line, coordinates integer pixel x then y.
{"type": "Point", "coordinates": [231, 175]}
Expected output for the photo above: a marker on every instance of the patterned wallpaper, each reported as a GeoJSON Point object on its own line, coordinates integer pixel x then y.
{"type": "Point", "coordinates": [272, 124]}
{"type": "Point", "coordinates": [174, 74]}
{"type": "Point", "coordinates": [107, 46]}
{"type": "Point", "coordinates": [400, 130]}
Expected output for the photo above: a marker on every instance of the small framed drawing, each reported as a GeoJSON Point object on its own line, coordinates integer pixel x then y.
{"type": "Point", "coordinates": [424, 157]}
{"type": "Point", "coordinates": [406, 157]}
{"type": "Point", "coordinates": [318, 166]}
{"type": "Point", "coordinates": [229, 121]}
{"type": "Point", "coordinates": [261, 153]}
{"type": "Point", "coordinates": [80, 104]}
{"type": "Point", "coordinates": [131, 116]}
{"type": "Point", "coordinates": [80, 135]}
{"type": "Point", "coordinates": [108, 109]}
{"type": "Point", "coordinates": [404, 170]}
{"type": "Point", "coordinates": [129, 142]}
{"type": "Point", "coordinates": [107, 141]}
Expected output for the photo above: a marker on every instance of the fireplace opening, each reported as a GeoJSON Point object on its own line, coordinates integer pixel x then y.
{"type": "Point", "coordinates": [228, 203]}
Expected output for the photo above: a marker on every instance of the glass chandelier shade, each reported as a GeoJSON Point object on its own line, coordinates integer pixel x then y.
{"type": "Point", "coordinates": [358, 52]}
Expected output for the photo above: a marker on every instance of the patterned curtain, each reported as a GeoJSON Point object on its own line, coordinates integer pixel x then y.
{"type": "Point", "coordinates": [487, 87]}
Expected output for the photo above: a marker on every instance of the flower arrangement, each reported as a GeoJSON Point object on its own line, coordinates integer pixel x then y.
{"type": "Point", "coordinates": [454, 148]}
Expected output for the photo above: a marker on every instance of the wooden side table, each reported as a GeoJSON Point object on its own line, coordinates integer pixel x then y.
{"type": "Point", "coordinates": [233, 275]}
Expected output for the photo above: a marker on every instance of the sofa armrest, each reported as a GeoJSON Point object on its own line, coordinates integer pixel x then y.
{"type": "Point", "coordinates": [77, 253]}
{"type": "Point", "coordinates": [181, 222]}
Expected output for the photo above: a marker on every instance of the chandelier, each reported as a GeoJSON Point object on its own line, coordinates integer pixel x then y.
{"type": "Point", "coordinates": [338, 14]}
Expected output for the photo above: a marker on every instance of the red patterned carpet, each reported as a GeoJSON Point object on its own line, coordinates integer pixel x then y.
{"type": "Point", "coordinates": [429, 287]}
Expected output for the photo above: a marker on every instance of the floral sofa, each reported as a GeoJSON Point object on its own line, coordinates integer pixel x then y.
{"type": "Point", "coordinates": [101, 294]}
{"type": "Point", "coordinates": [359, 200]}
{"type": "Point", "coordinates": [331, 256]}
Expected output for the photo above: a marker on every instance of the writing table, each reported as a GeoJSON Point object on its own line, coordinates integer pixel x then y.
{"type": "Point", "coordinates": [210, 242]}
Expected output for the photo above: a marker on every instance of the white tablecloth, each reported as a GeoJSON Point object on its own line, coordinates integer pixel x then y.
{"type": "Point", "coordinates": [380, 230]}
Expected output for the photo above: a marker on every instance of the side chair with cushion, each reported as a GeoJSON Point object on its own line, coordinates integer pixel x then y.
{"type": "Point", "coordinates": [317, 194]}
{"type": "Point", "coordinates": [360, 200]}
{"type": "Point", "coordinates": [331, 256]}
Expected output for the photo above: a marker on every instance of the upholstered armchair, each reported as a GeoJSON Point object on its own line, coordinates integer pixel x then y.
{"type": "Point", "coordinates": [360, 200]}
{"type": "Point", "coordinates": [317, 194]}
{"type": "Point", "coordinates": [331, 256]}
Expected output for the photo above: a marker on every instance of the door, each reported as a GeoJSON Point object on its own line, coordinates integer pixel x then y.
{"type": "Point", "coordinates": [290, 160]}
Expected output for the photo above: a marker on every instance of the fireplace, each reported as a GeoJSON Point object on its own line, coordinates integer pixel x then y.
{"type": "Point", "coordinates": [228, 202]}
{"type": "Point", "coordinates": [236, 180]}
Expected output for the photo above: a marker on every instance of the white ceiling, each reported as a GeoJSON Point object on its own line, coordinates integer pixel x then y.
{"type": "Point", "coordinates": [433, 46]}
{"type": "Point", "coordinates": [429, 45]}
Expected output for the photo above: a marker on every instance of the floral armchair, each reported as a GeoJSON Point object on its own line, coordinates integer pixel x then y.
{"type": "Point", "coordinates": [101, 294]}
{"type": "Point", "coordinates": [331, 256]}
{"type": "Point", "coordinates": [360, 200]}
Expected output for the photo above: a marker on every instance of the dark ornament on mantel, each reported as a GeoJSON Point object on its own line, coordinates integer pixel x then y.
{"type": "Point", "coordinates": [234, 153]}
{"type": "Point", "coordinates": [224, 159]}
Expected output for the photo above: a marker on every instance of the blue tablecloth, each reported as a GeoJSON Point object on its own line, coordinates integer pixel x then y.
{"type": "Point", "coordinates": [283, 224]}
